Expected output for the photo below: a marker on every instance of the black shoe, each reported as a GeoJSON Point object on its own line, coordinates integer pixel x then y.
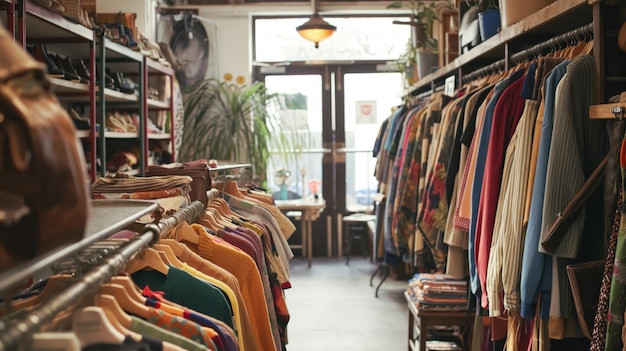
{"type": "Point", "coordinates": [123, 84]}
{"type": "Point", "coordinates": [81, 69]}
{"type": "Point", "coordinates": [40, 53]}
{"type": "Point", "coordinates": [70, 72]}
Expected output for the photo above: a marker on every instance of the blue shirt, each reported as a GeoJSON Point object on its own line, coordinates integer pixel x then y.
{"type": "Point", "coordinates": [533, 261]}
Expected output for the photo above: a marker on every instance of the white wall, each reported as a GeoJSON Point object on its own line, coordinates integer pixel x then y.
{"type": "Point", "coordinates": [145, 10]}
{"type": "Point", "coordinates": [233, 41]}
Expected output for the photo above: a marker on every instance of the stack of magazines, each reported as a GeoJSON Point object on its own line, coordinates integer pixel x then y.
{"type": "Point", "coordinates": [438, 292]}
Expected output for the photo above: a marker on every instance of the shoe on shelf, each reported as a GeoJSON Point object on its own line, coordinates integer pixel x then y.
{"type": "Point", "coordinates": [81, 123]}
{"type": "Point", "coordinates": [68, 70]}
{"type": "Point", "coordinates": [80, 68]}
{"type": "Point", "coordinates": [40, 53]}
{"type": "Point", "coordinates": [153, 93]}
{"type": "Point", "coordinates": [122, 83]}
{"type": "Point", "coordinates": [128, 121]}
{"type": "Point", "coordinates": [128, 34]}
{"type": "Point", "coordinates": [114, 123]}
{"type": "Point", "coordinates": [52, 5]}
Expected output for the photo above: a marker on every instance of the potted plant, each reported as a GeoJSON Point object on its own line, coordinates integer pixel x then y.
{"type": "Point", "coordinates": [232, 121]}
{"type": "Point", "coordinates": [488, 17]}
{"type": "Point", "coordinates": [424, 48]}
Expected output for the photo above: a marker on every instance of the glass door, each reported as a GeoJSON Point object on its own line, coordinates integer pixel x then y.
{"type": "Point", "coordinates": [343, 107]}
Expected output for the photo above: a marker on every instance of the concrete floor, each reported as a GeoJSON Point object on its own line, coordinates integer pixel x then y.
{"type": "Point", "coordinates": [332, 307]}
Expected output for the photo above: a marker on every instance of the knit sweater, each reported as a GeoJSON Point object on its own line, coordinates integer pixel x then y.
{"type": "Point", "coordinates": [244, 269]}
{"type": "Point", "coordinates": [211, 269]}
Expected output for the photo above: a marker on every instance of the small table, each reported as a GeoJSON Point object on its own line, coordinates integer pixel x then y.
{"type": "Point", "coordinates": [420, 321]}
{"type": "Point", "coordinates": [311, 209]}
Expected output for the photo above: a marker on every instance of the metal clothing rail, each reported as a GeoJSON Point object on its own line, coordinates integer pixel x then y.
{"type": "Point", "coordinates": [88, 283]}
{"type": "Point", "coordinates": [85, 286]}
{"type": "Point", "coordinates": [550, 45]}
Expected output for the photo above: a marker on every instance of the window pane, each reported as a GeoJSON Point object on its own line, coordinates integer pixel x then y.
{"type": "Point", "coordinates": [303, 113]}
{"type": "Point", "coordinates": [360, 38]}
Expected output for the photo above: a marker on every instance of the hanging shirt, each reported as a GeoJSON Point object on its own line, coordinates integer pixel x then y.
{"type": "Point", "coordinates": [184, 289]}
{"type": "Point", "coordinates": [209, 268]}
{"type": "Point", "coordinates": [244, 269]}
{"type": "Point", "coordinates": [505, 257]}
{"type": "Point", "coordinates": [536, 267]}
{"type": "Point", "coordinates": [506, 115]}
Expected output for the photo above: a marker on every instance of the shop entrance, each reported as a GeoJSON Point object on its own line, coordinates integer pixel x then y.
{"type": "Point", "coordinates": [342, 105]}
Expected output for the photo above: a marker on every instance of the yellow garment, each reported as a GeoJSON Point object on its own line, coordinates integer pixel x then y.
{"type": "Point", "coordinates": [465, 209]}
{"type": "Point", "coordinates": [244, 269]}
{"type": "Point", "coordinates": [533, 160]}
{"type": "Point", "coordinates": [229, 294]}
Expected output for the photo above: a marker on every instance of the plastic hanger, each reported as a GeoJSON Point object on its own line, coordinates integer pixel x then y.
{"type": "Point", "coordinates": [91, 326]}
{"type": "Point", "coordinates": [148, 258]}
{"type": "Point", "coordinates": [124, 300]}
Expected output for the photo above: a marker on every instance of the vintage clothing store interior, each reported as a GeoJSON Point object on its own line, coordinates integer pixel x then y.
{"type": "Point", "coordinates": [200, 175]}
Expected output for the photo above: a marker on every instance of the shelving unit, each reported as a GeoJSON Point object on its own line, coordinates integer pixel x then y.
{"type": "Point", "coordinates": [33, 24]}
{"type": "Point", "coordinates": [559, 17]}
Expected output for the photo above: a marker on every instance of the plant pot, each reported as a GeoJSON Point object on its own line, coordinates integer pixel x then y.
{"type": "Point", "coordinates": [420, 34]}
{"type": "Point", "coordinates": [515, 10]}
{"type": "Point", "coordinates": [489, 23]}
{"type": "Point", "coordinates": [427, 62]}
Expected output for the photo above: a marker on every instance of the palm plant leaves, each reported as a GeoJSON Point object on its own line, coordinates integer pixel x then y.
{"type": "Point", "coordinates": [226, 121]}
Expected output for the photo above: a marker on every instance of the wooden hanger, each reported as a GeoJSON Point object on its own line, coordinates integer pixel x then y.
{"type": "Point", "coordinates": [225, 207]}
{"type": "Point", "coordinates": [167, 251]}
{"type": "Point", "coordinates": [148, 258]}
{"type": "Point", "coordinates": [176, 247]}
{"type": "Point", "coordinates": [116, 315]}
{"type": "Point", "coordinates": [615, 110]}
{"type": "Point", "coordinates": [91, 326]}
{"type": "Point", "coordinates": [223, 221]}
{"type": "Point", "coordinates": [188, 234]}
{"type": "Point", "coordinates": [231, 188]}
{"type": "Point", "coordinates": [129, 286]}
{"type": "Point", "coordinates": [55, 284]}
{"type": "Point", "coordinates": [125, 301]}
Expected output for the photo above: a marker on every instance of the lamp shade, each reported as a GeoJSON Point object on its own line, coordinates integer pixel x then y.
{"type": "Point", "coordinates": [316, 29]}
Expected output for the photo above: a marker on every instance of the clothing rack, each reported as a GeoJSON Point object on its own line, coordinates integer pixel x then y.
{"type": "Point", "coordinates": [567, 39]}
{"type": "Point", "coordinates": [88, 283]}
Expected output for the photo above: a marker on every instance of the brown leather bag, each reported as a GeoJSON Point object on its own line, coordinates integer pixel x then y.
{"type": "Point", "coordinates": [44, 198]}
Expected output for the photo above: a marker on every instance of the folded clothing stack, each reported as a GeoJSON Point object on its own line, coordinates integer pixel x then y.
{"type": "Point", "coordinates": [438, 292]}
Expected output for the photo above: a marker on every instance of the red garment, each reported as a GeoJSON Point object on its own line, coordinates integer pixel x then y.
{"type": "Point", "coordinates": [506, 115]}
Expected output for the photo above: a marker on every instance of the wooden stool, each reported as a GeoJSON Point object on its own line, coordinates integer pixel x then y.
{"type": "Point", "coordinates": [364, 220]}
{"type": "Point", "coordinates": [420, 321]}
{"type": "Point", "coordinates": [297, 215]}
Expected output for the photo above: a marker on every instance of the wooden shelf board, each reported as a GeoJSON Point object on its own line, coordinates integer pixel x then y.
{"type": "Point", "coordinates": [81, 134]}
{"type": "Point", "coordinates": [154, 66]}
{"type": "Point", "coordinates": [43, 23]}
{"type": "Point", "coordinates": [117, 96]}
{"type": "Point", "coordinates": [65, 86]}
{"type": "Point", "coordinates": [120, 51]}
{"type": "Point", "coordinates": [121, 135]}
{"type": "Point", "coordinates": [157, 104]}
{"type": "Point", "coordinates": [160, 136]}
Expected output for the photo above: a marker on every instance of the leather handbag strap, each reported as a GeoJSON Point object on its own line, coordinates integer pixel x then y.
{"type": "Point", "coordinates": [557, 230]}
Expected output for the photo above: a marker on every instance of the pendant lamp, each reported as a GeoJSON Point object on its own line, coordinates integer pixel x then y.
{"type": "Point", "coordinates": [316, 29]}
